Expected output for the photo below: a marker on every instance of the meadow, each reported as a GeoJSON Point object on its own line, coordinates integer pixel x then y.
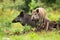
{"type": "Point", "coordinates": [42, 35]}
{"type": "Point", "coordinates": [11, 9]}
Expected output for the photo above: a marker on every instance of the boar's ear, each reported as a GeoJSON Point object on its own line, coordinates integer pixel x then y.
{"type": "Point", "coordinates": [37, 10]}
{"type": "Point", "coordinates": [21, 14]}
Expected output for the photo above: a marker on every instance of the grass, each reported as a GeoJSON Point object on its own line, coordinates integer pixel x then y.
{"type": "Point", "coordinates": [43, 35]}
{"type": "Point", "coordinates": [53, 16]}
{"type": "Point", "coordinates": [50, 35]}
{"type": "Point", "coordinates": [8, 15]}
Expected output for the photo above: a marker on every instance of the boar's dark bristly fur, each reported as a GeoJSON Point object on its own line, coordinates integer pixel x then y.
{"type": "Point", "coordinates": [24, 18]}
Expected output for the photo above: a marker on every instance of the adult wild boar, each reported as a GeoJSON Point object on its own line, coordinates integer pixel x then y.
{"type": "Point", "coordinates": [24, 18]}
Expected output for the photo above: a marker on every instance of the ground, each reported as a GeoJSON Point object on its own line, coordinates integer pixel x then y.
{"type": "Point", "coordinates": [43, 35]}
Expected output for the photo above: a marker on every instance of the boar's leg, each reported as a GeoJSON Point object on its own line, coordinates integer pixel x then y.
{"type": "Point", "coordinates": [47, 26]}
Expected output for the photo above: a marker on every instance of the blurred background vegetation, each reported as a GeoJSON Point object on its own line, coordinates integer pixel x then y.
{"type": "Point", "coordinates": [9, 9]}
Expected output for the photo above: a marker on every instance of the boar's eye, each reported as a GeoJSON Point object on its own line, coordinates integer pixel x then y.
{"type": "Point", "coordinates": [35, 14]}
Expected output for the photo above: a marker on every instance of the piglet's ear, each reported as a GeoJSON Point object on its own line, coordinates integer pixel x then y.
{"type": "Point", "coordinates": [37, 10]}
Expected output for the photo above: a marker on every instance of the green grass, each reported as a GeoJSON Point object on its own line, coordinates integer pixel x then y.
{"type": "Point", "coordinates": [50, 35]}
{"type": "Point", "coordinates": [7, 15]}
{"type": "Point", "coordinates": [53, 16]}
